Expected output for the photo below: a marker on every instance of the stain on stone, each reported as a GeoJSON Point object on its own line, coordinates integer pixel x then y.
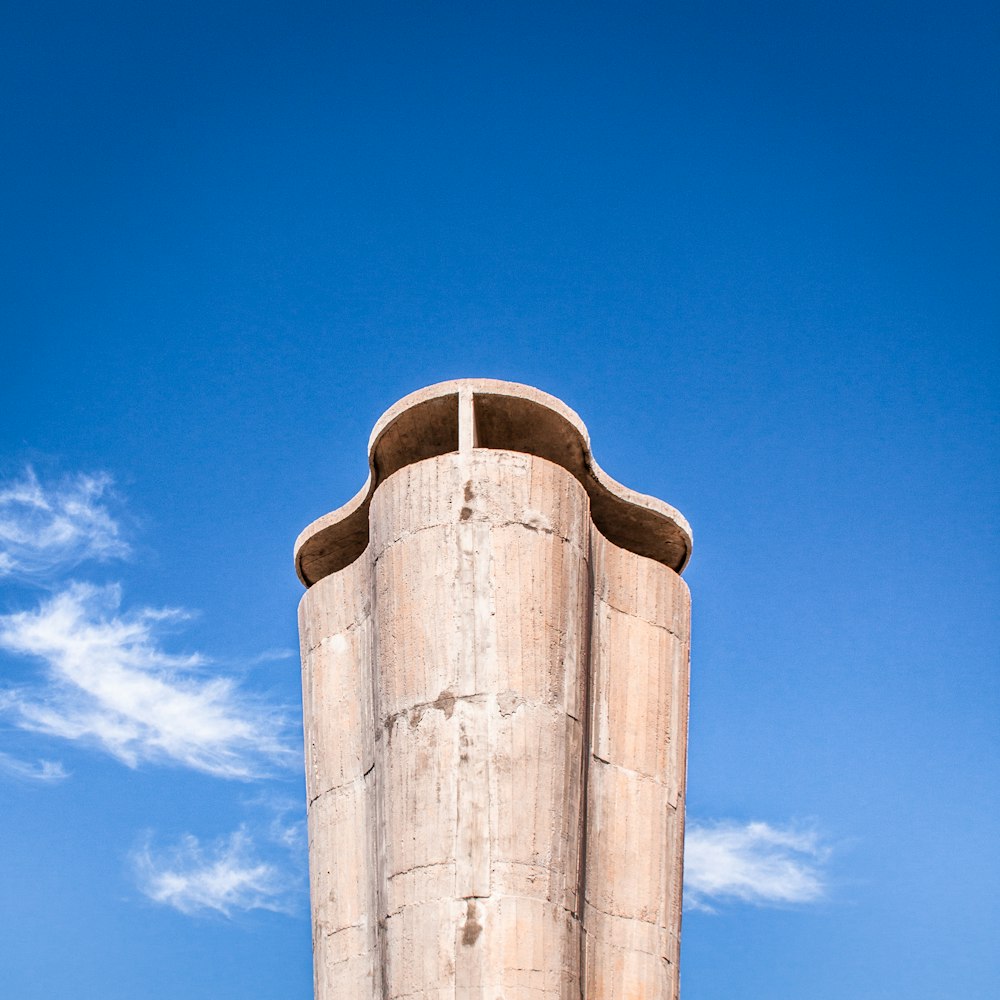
{"type": "Point", "coordinates": [535, 520]}
{"type": "Point", "coordinates": [445, 701]}
{"type": "Point", "coordinates": [473, 928]}
{"type": "Point", "coordinates": [508, 702]}
{"type": "Point", "coordinates": [416, 714]}
{"type": "Point", "coordinates": [468, 495]}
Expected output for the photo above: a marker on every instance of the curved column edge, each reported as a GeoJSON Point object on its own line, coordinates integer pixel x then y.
{"type": "Point", "coordinates": [503, 416]}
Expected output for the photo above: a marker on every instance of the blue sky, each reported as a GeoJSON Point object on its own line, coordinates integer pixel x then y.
{"type": "Point", "coordinates": [754, 246]}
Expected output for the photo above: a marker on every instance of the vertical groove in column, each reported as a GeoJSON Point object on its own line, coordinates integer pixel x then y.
{"type": "Point", "coordinates": [376, 795]}
{"type": "Point", "coordinates": [586, 719]}
{"type": "Point", "coordinates": [495, 691]}
{"type": "Point", "coordinates": [639, 664]}
{"type": "Point", "coordinates": [475, 673]}
{"type": "Point", "coordinates": [335, 631]}
{"type": "Point", "coordinates": [496, 710]}
{"type": "Point", "coordinates": [481, 597]}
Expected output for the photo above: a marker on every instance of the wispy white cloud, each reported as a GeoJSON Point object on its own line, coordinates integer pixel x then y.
{"type": "Point", "coordinates": [286, 826]}
{"type": "Point", "coordinates": [271, 656]}
{"type": "Point", "coordinates": [45, 771]}
{"type": "Point", "coordinates": [224, 876]}
{"type": "Point", "coordinates": [47, 527]}
{"type": "Point", "coordinates": [752, 863]}
{"type": "Point", "coordinates": [110, 683]}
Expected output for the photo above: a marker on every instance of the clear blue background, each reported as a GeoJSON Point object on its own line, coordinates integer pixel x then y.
{"type": "Point", "coordinates": [753, 245]}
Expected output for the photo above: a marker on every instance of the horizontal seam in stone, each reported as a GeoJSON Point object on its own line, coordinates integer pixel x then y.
{"type": "Point", "coordinates": [359, 926]}
{"type": "Point", "coordinates": [497, 895]}
{"type": "Point", "coordinates": [641, 775]}
{"type": "Point", "coordinates": [623, 948]}
{"type": "Point", "coordinates": [346, 630]}
{"type": "Point", "coordinates": [584, 552]}
{"type": "Point", "coordinates": [618, 916]}
{"type": "Point", "coordinates": [642, 618]}
{"type": "Point", "coordinates": [343, 789]}
{"type": "Point", "coordinates": [417, 868]}
{"type": "Point", "coordinates": [480, 697]}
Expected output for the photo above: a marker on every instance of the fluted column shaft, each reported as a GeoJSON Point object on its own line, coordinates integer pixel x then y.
{"type": "Point", "coordinates": [496, 702]}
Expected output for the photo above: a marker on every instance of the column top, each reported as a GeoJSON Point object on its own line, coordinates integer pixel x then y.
{"type": "Point", "coordinates": [483, 413]}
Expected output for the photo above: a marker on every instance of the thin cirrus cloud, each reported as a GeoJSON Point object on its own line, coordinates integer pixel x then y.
{"type": "Point", "coordinates": [44, 771]}
{"type": "Point", "coordinates": [725, 862]}
{"type": "Point", "coordinates": [222, 877]}
{"type": "Point", "coordinates": [108, 682]}
{"type": "Point", "coordinates": [47, 527]}
{"type": "Point", "coordinates": [752, 863]}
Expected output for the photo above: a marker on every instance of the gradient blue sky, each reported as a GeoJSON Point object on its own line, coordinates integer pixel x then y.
{"type": "Point", "coordinates": [755, 246]}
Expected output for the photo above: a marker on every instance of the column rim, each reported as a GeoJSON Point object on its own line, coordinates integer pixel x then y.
{"type": "Point", "coordinates": [514, 417]}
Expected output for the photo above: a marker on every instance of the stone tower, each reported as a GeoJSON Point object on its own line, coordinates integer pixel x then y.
{"type": "Point", "coordinates": [495, 643]}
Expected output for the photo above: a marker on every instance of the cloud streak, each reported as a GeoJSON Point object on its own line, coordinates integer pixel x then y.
{"type": "Point", "coordinates": [222, 877]}
{"type": "Point", "coordinates": [48, 527]}
{"type": "Point", "coordinates": [44, 771]}
{"type": "Point", "coordinates": [109, 683]}
{"type": "Point", "coordinates": [751, 863]}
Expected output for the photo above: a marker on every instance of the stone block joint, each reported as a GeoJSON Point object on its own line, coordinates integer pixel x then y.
{"type": "Point", "coordinates": [495, 649]}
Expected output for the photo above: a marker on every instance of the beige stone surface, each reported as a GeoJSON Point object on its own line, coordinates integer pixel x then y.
{"type": "Point", "coordinates": [495, 695]}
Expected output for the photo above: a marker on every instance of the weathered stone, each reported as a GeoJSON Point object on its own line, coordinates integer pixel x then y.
{"type": "Point", "coordinates": [495, 683]}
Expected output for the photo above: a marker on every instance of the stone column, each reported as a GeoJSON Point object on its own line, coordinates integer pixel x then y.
{"type": "Point", "coordinates": [495, 663]}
